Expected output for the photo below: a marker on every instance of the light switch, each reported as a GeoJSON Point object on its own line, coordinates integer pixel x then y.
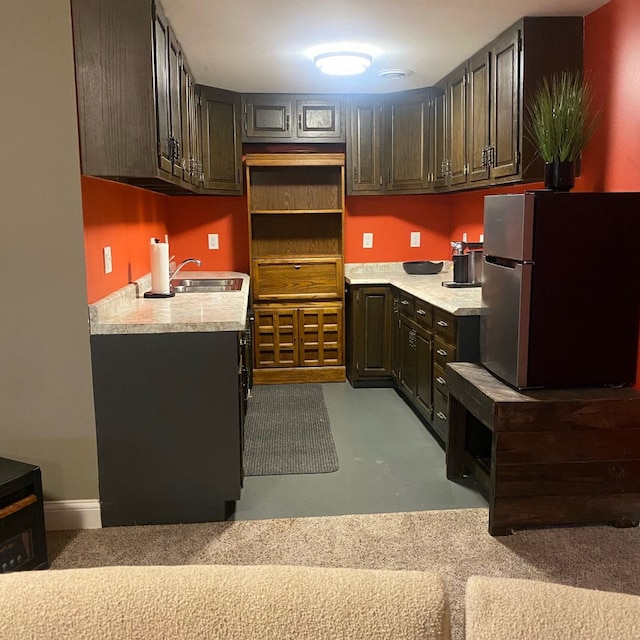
{"type": "Point", "coordinates": [106, 254]}
{"type": "Point", "coordinates": [213, 241]}
{"type": "Point", "coordinates": [367, 240]}
{"type": "Point", "coordinates": [415, 239]}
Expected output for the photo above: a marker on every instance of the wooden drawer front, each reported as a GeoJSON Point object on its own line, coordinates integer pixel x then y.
{"type": "Point", "coordinates": [445, 325]}
{"type": "Point", "coordinates": [440, 417]}
{"type": "Point", "coordinates": [307, 278]}
{"type": "Point", "coordinates": [440, 380]}
{"type": "Point", "coordinates": [407, 305]}
{"type": "Point", "coordinates": [443, 352]}
{"type": "Point", "coordinates": [424, 314]}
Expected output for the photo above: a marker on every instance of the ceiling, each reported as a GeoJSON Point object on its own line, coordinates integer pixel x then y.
{"type": "Point", "coordinates": [257, 46]}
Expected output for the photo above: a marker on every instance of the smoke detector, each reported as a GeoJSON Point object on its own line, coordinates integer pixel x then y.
{"type": "Point", "coordinates": [394, 74]}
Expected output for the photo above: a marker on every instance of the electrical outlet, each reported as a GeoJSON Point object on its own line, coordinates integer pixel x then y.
{"type": "Point", "coordinates": [213, 241]}
{"type": "Point", "coordinates": [415, 239]}
{"type": "Point", "coordinates": [106, 254]}
{"type": "Point", "coordinates": [367, 240]}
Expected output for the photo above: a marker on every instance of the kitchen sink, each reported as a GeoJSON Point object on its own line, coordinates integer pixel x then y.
{"type": "Point", "coordinates": [207, 285]}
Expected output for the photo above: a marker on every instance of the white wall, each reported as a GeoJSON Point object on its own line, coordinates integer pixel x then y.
{"type": "Point", "coordinates": [46, 398]}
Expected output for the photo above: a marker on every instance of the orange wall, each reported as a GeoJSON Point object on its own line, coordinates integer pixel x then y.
{"type": "Point", "coordinates": [191, 218]}
{"type": "Point", "coordinates": [123, 218]}
{"type": "Point", "coordinates": [391, 219]}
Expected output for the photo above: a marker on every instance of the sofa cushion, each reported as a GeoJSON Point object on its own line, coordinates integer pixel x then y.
{"type": "Point", "coordinates": [226, 602]}
{"type": "Point", "coordinates": [509, 608]}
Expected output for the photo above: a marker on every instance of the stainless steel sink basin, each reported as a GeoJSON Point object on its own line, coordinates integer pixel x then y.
{"type": "Point", "coordinates": [207, 285]}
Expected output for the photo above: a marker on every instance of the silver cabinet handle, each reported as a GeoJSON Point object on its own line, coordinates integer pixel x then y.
{"type": "Point", "coordinates": [297, 266]}
{"type": "Point", "coordinates": [441, 380]}
{"type": "Point", "coordinates": [421, 312]}
{"type": "Point", "coordinates": [442, 323]}
{"type": "Point", "coordinates": [441, 415]}
{"type": "Point", "coordinates": [287, 121]}
{"type": "Point", "coordinates": [441, 352]}
{"type": "Point", "coordinates": [404, 302]}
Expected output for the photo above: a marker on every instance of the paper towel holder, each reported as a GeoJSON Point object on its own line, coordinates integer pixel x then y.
{"type": "Point", "coordinates": [149, 294]}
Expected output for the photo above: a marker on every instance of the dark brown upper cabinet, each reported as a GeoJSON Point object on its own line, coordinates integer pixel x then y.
{"type": "Point", "coordinates": [137, 108]}
{"type": "Point", "coordinates": [292, 118]}
{"type": "Point", "coordinates": [388, 146]}
{"type": "Point", "coordinates": [407, 141]}
{"type": "Point", "coordinates": [364, 145]}
{"type": "Point", "coordinates": [220, 118]}
{"type": "Point", "coordinates": [479, 110]}
{"type": "Point", "coordinates": [452, 167]}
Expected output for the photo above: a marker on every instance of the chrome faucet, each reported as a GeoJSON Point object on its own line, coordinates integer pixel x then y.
{"type": "Point", "coordinates": [182, 264]}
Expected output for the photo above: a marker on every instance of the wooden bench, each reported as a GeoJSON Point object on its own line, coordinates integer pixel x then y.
{"type": "Point", "coordinates": [545, 457]}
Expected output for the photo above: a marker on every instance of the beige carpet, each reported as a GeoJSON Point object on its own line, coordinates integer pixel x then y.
{"type": "Point", "coordinates": [454, 543]}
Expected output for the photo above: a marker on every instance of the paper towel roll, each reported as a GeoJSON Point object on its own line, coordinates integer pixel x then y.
{"type": "Point", "coordinates": [159, 255]}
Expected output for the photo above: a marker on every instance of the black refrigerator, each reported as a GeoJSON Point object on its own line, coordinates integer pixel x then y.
{"type": "Point", "coordinates": [561, 288]}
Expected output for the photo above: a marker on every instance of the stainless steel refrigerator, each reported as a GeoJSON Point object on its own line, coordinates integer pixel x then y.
{"type": "Point", "coordinates": [561, 288]}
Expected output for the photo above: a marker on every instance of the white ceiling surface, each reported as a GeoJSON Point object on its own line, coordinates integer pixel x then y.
{"type": "Point", "coordinates": [257, 46]}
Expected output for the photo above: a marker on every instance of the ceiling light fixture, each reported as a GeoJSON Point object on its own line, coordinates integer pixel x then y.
{"type": "Point", "coordinates": [343, 63]}
{"type": "Point", "coordinates": [343, 58]}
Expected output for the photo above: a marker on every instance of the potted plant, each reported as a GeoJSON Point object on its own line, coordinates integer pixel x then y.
{"type": "Point", "coordinates": [561, 121]}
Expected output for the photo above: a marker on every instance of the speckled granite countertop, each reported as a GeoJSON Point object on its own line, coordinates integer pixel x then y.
{"type": "Point", "coordinates": [459, 302]}
{"type": "Point", "coordinates": [126, 311]}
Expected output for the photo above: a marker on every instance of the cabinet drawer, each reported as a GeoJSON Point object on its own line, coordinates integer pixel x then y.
{"type": "Point", "coordinates": [424, 314]}
{"type": "Point", "coordinates": [440, 380]}
{"type": "Point", "coordinates": [276, 279]}
{"type": "Point", "coordinates": [407, 305]}
{"type": "Point", "coordinates": [443, 352]}
{"type": "Point", "coordinates": [445, 325]}
{"type": "Point", "coordinates": [440, 416]}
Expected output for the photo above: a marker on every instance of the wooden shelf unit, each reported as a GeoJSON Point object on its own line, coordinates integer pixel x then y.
{"type": "Point", "coordinates": [296, 238]}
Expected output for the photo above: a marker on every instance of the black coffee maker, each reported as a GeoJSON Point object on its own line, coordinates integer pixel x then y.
{"type": "Point", "coordinates": [467, 264]}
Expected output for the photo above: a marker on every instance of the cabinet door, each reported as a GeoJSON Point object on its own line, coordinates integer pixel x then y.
{"type": "Point", "coordinates": [320, 119]}
{"type": "Point", "coordinates": [364, 150]}
{"type": "Point", "coordinates": [407, 136]}
{"type": "Point", "coordinates": [407, 365]}
{"type": "Point", "coordinates": [505, 105]}
{"type": "Point", "coordinates": [289, 279]}
{"type": "Point", "coordinates": [267, 117]}
{"type": "Point", "coordinates": [186, 85]}
{"type": "Point", "coordinates": [423, 389]}
{"type": "Point", "coordinates": [439, 150]}
{"type": "Point", "coordinates": [161, 44]}
{"type": "Point", "coordinates": [395, 338]}
{"type": "Point", "coordinates": [276, 337]}
{"type": "Point", "coordinates": [320, 331]}
{"type": "Point", "coordinates": [372, 332]}
{"type": "Point", "coordinates": [175, 118]}
{"type": "Point", "coordinates": [457, 129]}
{"type": "Point", "coordinates": [220, 137]}
{"type": "Point", "coordinates": [478, 117]}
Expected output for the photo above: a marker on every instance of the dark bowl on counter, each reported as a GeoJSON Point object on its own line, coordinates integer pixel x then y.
{"type": "Point", "coordinates": [422, 267]}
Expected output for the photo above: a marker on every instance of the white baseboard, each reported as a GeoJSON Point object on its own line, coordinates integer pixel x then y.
{"type": "Point", "coordinates": [72, 514]}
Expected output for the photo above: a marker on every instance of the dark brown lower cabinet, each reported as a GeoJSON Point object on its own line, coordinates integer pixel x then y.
{"type": "Point", "coordinates": [396, 339]}
{"type": "Point", "coordinates": [369, 334]}
{"type": "Point", "coordinates": [169, 411]}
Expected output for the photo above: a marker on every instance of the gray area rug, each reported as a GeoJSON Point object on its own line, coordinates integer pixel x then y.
{"type": "Point", "coordinates": [454, 543]}
{"type": "Point", "coordinates": [287, 431]}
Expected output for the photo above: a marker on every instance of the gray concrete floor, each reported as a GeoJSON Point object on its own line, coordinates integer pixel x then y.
{"type": "Point", "coordinates": [389, 462]}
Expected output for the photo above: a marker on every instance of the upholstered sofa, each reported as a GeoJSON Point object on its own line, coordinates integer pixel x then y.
{"type": "Point", "coordinates": [284, 602]}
